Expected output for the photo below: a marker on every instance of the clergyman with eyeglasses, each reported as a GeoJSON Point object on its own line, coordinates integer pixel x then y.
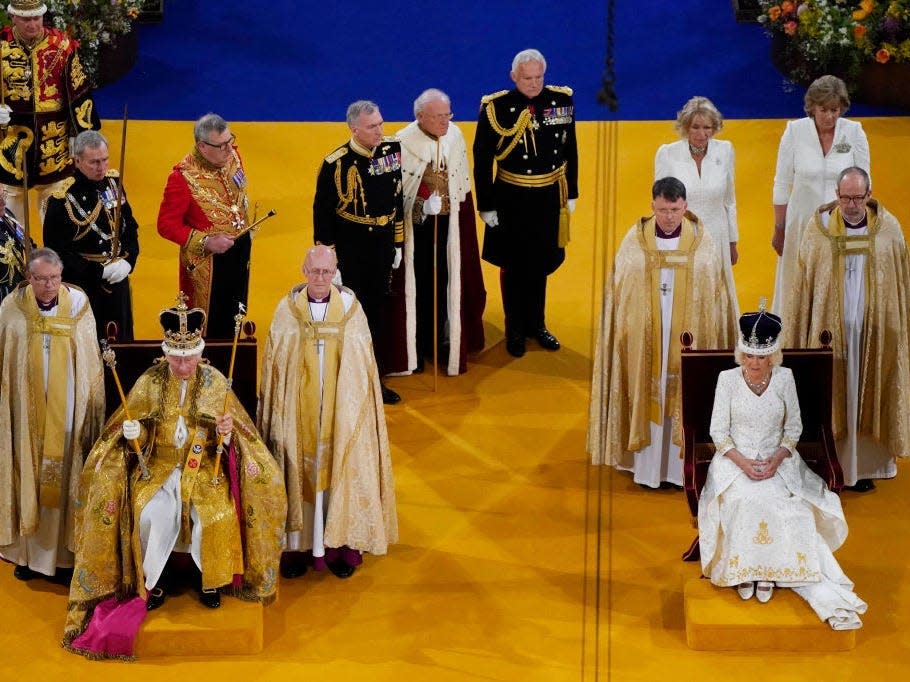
{"type": "Point", "coordinates": [439, 217]}
{"type": "Point", "coordinates": [51, 412]}
{"type": "Point", "coordinates": [853, 279]}
{"type": "Point", "coordinates": [322, 417]}
{"type": "Point", "coordinates": [204, 209]}
{"type": "Point", "coordinates": [667, 278]}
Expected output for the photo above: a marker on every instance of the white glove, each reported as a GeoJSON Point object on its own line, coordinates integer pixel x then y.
{"type": "Point", "coordinates": [4, 114]}
{"type": "Point", "coordinates": [571, 205]}
{"type": "Point", "coordinates": [336, 280]}
{"type": "Point", "coordinates": [490, 218]}
{"type": "Point", "coordinates": [397, 261]}
{"type": "Point", "coordinates": [432, 205]}
{"type": "Point", "coordinates": [131, 429]}
{"type": "Point", "coordinates": [116, 271]}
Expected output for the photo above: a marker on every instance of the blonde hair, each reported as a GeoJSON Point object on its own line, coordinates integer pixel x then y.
{"type": "Point", "coordinates": [776, 358]}
{"type": "Point", "coordinates": [695, 106]}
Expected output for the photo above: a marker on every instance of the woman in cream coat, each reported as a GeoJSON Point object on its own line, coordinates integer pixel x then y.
{"type": "Point", "coordinates": [705, 166]}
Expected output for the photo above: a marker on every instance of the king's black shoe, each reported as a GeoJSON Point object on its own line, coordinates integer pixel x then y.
{"type": "Point", "coordinates": [155, 599]}
{"type": "Point", "coordinates": [210, 598]}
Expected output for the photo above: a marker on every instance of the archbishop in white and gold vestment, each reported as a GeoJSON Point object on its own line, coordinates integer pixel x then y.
{"type": "Point", "coordinates": [658, 288]}
{"type": "Point", "coordinates": [855, 283]}
{"type": "Point", "coordinates": [51, 411]}
{"type": "Point", "coordinates": [321, 414]}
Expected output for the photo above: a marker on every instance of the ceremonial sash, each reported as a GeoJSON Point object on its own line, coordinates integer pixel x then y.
{"type": "Point", "coordinates": [50, 404]}
{"type": "Point", "coordinates": [315, 399]}
{"type": "Point", "coordinates": [188, 478]}
{"type": "Point", "coordinates": [843, 245]}
{"type": "Point", "coordinates": [545, 180]}
{"type": "Point", "coordinates": [680, 260]}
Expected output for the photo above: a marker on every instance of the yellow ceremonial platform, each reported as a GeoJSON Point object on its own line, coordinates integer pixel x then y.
{"type": "Point", "coordinates": [518, 561]}
{"type": "Point", "coordinates": [184, 627]}
{"type": "Point", "coordinates": [718, 620]}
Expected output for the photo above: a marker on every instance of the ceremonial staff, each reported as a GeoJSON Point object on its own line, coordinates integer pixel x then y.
{"type": "Point", "coordinates": [26, 221]}
{"type": "Point", "coordinates": [436, 281]}
{"type": "Point", "coordinates": [115, 228]}
{"type": "Point", "coordinates": [238, 319]}
{"type": "Point", "coordinates": [110, 359]}
{"type": "Point", "coordinates": [195, 261]}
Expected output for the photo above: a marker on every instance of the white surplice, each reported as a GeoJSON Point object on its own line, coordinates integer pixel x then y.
{"type": "Point", "coordinates": [660, 460]}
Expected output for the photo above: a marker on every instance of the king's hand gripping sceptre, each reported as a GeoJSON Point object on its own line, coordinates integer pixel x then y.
{"type": "Point", "coordinates": [219, 449]}
{"type": "Point", "coordinates": [110, 359]}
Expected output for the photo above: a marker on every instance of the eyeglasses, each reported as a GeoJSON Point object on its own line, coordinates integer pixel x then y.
{"type": "Point", "coordinates": [320, 273]}
{"type": "Point", "coordinates": [858, 199]}
{"type": "Point", "coordinates": [48, 279]}
{"type": "Point", "coordinates": [224, 146]}
{"type": "Point", "coordinates": [442, 117]}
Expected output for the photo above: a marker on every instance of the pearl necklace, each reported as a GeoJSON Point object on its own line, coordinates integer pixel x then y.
{"type": "Point", "coordinates": [697, 151]}
{"type": "Point", "coordinates": [759, 386]}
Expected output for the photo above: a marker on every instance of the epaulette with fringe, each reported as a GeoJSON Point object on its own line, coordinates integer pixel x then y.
{"type": "Point", "coordinates": [337, 154]}
{"type": "Point", "coordinates": [486, 99]}
{"type": "Point", "coordinates": [63, 188]}
{"type": "Point", "coordinates": [564, 89]}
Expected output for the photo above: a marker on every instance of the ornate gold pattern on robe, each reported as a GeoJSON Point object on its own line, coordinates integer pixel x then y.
{"type": "Point", "coordinates": [224, 204]}
{"type": "Point", "coordinates": [816, 304]}
{"type": "Point", "coordinates": [362, 513]}
{"type": "Point", "coordinates": [621, 391]}
{"type": "Point", "coordinates": [112, 494]}
{"type": "Point", "coordinates": [20, 445]}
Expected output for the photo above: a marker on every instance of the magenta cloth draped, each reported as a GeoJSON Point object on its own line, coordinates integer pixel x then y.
{"type": "Point", "coordinates": [112, 631]}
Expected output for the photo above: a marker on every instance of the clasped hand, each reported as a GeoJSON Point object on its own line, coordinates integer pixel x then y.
{"type": "Point", "coordinates": [761, 469]}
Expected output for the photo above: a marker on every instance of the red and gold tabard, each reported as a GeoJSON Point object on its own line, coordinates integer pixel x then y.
{"type": "Point", "coordinates": [202, 199]}
{"type": "Point", "coordinates": [49, 93]}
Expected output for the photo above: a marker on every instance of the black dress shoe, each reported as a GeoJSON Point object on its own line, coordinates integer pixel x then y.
{"type": "Point", "coordinates": [863, 485]}
{"type": "Point", "coordinates": [210, 598]}
{"type": "Point", "coordinates": [389, 397]}
{"type": "Point", "coordinates": [420, 365]}
{"type": "Point", "coordinates": [293, 569]}
{"type": "Point", "coordinates": [155, 599]}
{"type": "Point", "coordinates": [341, 568]}
{"type": "Point", "coordinates": [515, 344]}
{"type": "Point", "coordinates": [546, 339]}
{"type": "Point", "coordinates": [24, 573]}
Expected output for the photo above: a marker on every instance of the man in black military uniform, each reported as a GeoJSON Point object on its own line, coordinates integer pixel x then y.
{"type": "Point", "coordinates": [358, 211]}
{"type": "Point", "coordinates": [97, 243]}
{"type": "Point", "coordinates": [525, 201]}
{"type": "Point", "coordinates": [12, 249]}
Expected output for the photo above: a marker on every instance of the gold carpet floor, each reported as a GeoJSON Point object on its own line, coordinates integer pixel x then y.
{"type": "Point", "coordinates": [517, 561]}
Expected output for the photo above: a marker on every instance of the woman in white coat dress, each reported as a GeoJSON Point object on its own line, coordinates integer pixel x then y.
{"type": "Point", "coordinates": [764, 517]}
{"type": "Point", "coordinates": [705, 167]}
{"type": "Point", "coordinates": [812, 152]}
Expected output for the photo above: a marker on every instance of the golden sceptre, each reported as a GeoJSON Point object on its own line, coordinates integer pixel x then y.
{"type": "Point", "coordinates": [110, 359]}
{"type": "Point", "coordinates": [238, 320]}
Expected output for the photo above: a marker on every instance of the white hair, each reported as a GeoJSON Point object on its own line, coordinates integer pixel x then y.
{"type": "Point", "coordinates": [525, 56]}
{"type": "Point", "coordinates": [430, 95]}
